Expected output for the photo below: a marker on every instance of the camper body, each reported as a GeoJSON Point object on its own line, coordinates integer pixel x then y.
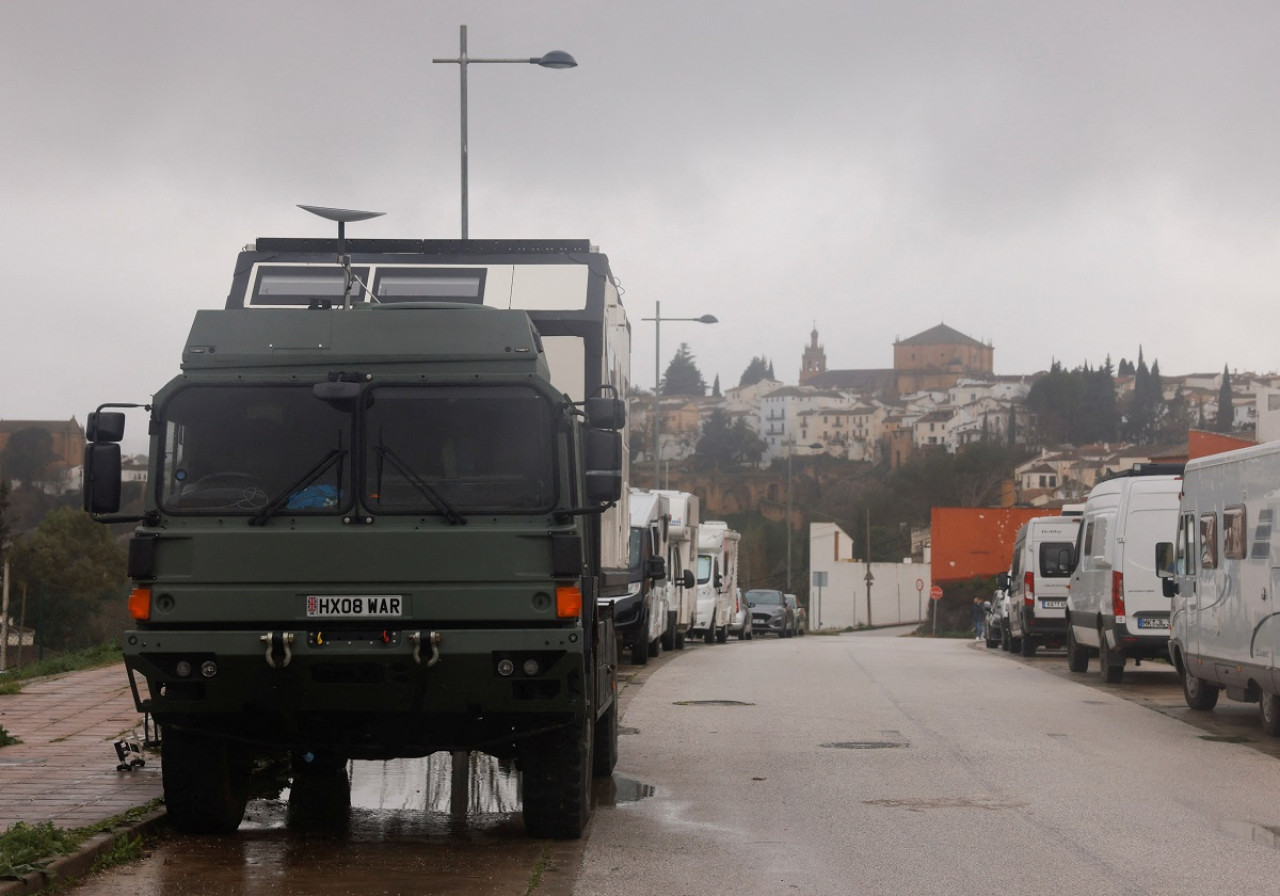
{"type": "Point", "coordinates": [682, 563]}
{"type": "Point", "coordinates": [1116, 608]}
{"type": "Point", "coordinates": [640, 616]}
{"type": "Point", "coordinates": [717, 581]}
{"type": "Point", "coordinates": [1043, 556]}
{"type": "Point", "coordinates": [386, 493]}
{"type": "Point", "coordinates": [1225, 624]}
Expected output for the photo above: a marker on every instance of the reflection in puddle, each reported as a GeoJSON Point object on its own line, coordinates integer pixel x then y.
{"type": "Point", "coordinates": [617, 789]}
{"type": "Point", "coordinates": [1254, 833]}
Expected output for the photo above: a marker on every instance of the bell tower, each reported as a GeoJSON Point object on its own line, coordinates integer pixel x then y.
{"type": "Point", "coordinates": [814, 360]}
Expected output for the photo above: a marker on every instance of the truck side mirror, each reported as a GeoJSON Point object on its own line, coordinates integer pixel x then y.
{"type": "Point", "coordinates": [1164, 559]}
{"type": "Point", "coordinates": [1169, 587]}
{"type": "Point", "coordinates": [102, 474]}
{"type": "Point", "coordinates": [656, 569]}
{"type": "Point", "coordinates": [688, 581]}
{"type": "Point", "coordinates": [603, 461]}
{"type": "Point", "coordinates": [606, 413]}
{"type": "Point", "coordinates": [719, 582]}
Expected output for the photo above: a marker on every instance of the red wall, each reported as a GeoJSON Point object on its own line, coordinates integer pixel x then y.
{"type": "Point", "coordinates": [976, 541]}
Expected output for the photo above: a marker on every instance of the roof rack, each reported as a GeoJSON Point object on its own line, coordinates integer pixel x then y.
{"type": "Point", "coordinates": [1151, 469]}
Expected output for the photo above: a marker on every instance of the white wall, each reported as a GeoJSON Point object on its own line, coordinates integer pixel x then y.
{"type": "Point", "coordinates": [842, 602]}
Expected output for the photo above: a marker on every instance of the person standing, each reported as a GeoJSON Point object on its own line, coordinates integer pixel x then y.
{"type": "Point", "coordinates": [979, 619]}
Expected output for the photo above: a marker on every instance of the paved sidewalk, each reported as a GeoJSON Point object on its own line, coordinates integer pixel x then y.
{"type": "Point", "coordinates": [64, 771]}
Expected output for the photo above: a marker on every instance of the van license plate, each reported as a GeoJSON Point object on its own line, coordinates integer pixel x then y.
{"type": "Point", "coordinates": [354, 606]}
{"type": "Point", "coordinates": [1153, 623]}
{"type": "Point", "coordinates": [1054, 604]}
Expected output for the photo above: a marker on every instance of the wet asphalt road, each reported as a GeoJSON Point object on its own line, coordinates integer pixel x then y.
{"type": "Point", "coordinates": [860, 763]}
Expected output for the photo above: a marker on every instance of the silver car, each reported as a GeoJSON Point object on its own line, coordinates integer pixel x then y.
{"type": "Point", "coordinates": [740, 625]}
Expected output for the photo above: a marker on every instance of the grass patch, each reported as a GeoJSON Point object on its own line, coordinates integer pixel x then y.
{"type": "Point", "coordinates": [90, 658]}
{"type": "Point", "coordinates": [6, 738]}
{"type": "Point", "coordinates": [535, 879]}
{"type": "Point", "coordinates": [26, 848]}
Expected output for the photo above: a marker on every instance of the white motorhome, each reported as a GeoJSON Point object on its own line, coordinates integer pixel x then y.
{"type": "Point", "coordinates": [1036, 584]}
{"type": "Point", "coordinates": [1225, 634]}
{"type": "Point", "coordinates": [682, 560]}
{"type": "Point", "coordinates": [717, 581]}
{"type": "Point", "coordinates": [1116, 608]}
{"type": "Point", "coordinates": [640, 617]}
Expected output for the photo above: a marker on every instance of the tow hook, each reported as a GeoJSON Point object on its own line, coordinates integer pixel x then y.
{"type": "Point", "coordinates": [278, 653]}
{"type": "Point", "coordinates": [433, 640]}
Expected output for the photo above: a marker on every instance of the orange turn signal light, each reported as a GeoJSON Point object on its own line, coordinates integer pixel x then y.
{"type": "Point", "coordinates": [568, 602]}
{"type": "Point", "coordinates": [140, 603]}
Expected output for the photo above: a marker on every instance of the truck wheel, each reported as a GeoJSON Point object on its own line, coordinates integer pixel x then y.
{"type": "Point", "coordinates": [1111, 672]}
{"type": "Point", "coordinates": [668, 638]}
{"type": "Point", "coordinates": [1077, 656]}
{"type": "Point", "coordinates": [1015, 644]}
{"type": "Point", "coordinates": [1269, 713]}
{"type": "Point", "coordinates": [1198, 693]}
{"type": "Point", "coordinates": [639, 650]}
{"type": "Point", "coordinates": [556, 782]}
{"type": "Point", "coordinates": [722, 634]}
{"type": "Point", "coordinates": [604, 750]}
{"type": "Point", "coordinates": [709, 636]}
{"type": "Point", "coordinates": [206, 781]}
{"type": "Point", "coordinates": [655, 647]}
{"type": "Point", "coordinates": [319, 794]}
{"type": "Point", "coordinates": [679, 639]}
{"type": "Point", "coordinates": [1028, 646]}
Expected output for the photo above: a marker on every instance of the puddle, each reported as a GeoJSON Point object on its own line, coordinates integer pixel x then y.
{"type": "Point", "coordinates": [618, 789]}
{"type": "Point", "coordinates": [1226, 738]}
{"type": "Point", "coordinates": [1264, 835]}
{"type": "Point", "coordinates": [864, 745]}
{"type": "Point", "coordinates": [920, 805]}
{"type": "Point", "coordinates": [712, 703]}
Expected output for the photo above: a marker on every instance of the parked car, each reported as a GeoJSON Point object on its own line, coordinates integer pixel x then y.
{"type": "Point", "coordinates": [997, 619]}
{"type": "Point", "coordinates": [770, 613]}
{"type": "Point", "coordinates": [740, 624]}
{"type": "Point", "coordinates": [799, 618]}
{"type": "Point", "coordinates": [1043, 557]}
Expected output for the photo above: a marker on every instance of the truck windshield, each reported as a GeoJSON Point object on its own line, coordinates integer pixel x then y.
{"type": "Point", "coordinates": [458, 449]}
{"type": "Point", "coordinates": [233, 449]}
{"type": "Point", "coordinates": [704, 568]}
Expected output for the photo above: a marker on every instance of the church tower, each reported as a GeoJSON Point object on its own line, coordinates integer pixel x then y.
{"type": "Point", "coordinates": [814, 360]}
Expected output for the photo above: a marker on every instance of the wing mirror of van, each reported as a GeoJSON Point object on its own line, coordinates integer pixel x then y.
{"type": "Point", "coordinates": [1002, 581]}
{"type": "Point", "coordinates": [657, 568]}
{"type": "Point", "coordinates": [688, 581]}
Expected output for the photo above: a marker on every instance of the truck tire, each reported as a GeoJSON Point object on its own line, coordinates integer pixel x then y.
{"type": "Point", "coordinates": [655, 647]}
{"type": "Point", "coordinates": [1077, 656]}
{"type": "Point", "coordinates": [1198, 693]}
{"type": "Point", "coordinates": [639, 649]}
{"type": "Point", "coordinates": [206, 781]}
{"type": "Point", "coordinates": [604, 749]}
{"type": "Point", "coordinates": [709, 636]}
{"type": "Point", "coordinates": [1269, 713]}
{"type": "Point", "coordinates": [1005, 644]}
{"type": "Point", "coordinates": [556, 782]}
{"type": "Point", "coordinates": [668, 638]}
{"type": "Point", "coordinates": [722, 634]}
{"type": "Point", "coordinates": [1111, 672]}
{"type": "Point", "coordinates": [319, 794]}
{"type": "Point", "coordinates": [679, 640]}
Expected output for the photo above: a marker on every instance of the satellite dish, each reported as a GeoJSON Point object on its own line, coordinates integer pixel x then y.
{"type": "Point", "coordinates": [341, 215]}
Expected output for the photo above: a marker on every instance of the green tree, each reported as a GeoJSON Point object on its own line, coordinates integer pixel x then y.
{"type": "Point", "coordinates": [683, 376]}
{"type": "Point", "coordinates": [724, 445]}
{"type": "Point", "coordinates": [27, 454]}
{"type": "Point", "coordinates": [1226, 419]}
{"type": "Point", "coordinates": [71, 565]}
{"type": "Point", "coordinates": [759, 369]}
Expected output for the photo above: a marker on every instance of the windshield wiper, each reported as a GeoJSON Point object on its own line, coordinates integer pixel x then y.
{"type": "Point", "coordinates": [272, 507]}
{"type": "Point", "coordinates": [447, 510]}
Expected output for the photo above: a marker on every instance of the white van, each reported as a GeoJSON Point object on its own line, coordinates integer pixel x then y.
{"type": "Point", "coordinates": [1116, 608]}
{"type": "Point", "coordinates": [682, 558]}
{"type": "Point", "coordinates": [1043, 556]}
{"type": "Point", "coordinates": [1223, 579]}
{"type": "Point", "coordinates": [717, 581]}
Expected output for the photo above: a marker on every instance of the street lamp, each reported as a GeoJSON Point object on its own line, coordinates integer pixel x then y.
{"type": "Point", "coordinates": [791, 446]}
{"type": "Point", "coordinates": [553, 59]}
{"type": "Point", "coordinates": [657, 374]}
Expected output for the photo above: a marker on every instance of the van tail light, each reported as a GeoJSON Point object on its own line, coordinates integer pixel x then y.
{"type": "Point", "coordinates": [1029, 588]}
{"type": "Point", "coordinates": [1117, 594]}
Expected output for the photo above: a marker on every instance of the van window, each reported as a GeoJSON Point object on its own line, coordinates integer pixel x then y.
{"type": "Point", "coordinates": [1087, 551]}
{"type": "Point", "coordinates": [1261, 549]}
{"type": "Point", "coordinates": [1208, 541]}
{"type": "Point", "coordinates": [1233, 532]}
{"type": "Point", "coordinates": [1055, 559]}
{"type": "Point", "coordinates": [1015, 572]}
{"type": "Point", "coordinates": [1186, 548]}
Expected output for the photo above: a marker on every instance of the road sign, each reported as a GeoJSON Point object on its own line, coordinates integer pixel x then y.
{"type": "Point", "coordinates": [919, 584]}
{"type": "Point", "coordinates": [935, 593]}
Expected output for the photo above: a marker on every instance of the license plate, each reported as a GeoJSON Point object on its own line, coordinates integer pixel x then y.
{"type": "Point", "coordinates": [1153, 623]}
{"type": "Point", "coordinates": [1054, 604]}
{"type": "Point", "coordinates": [355, 606]}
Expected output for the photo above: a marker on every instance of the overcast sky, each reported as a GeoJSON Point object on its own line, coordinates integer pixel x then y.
{"type": "Point", "coordinates": [1063, 180]}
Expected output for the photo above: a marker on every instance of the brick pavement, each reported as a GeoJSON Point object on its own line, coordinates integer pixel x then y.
{"type": "Point", "coordinates": [64, 771]}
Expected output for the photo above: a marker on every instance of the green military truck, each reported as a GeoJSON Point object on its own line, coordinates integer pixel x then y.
{"type": "Point", "coordinates": [385, 494]}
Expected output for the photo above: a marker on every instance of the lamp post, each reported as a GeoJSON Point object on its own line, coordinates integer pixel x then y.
{"type": "Point", "coordinates": [657, 376]}
{"type": "Point", "coordinates": [553, 59]}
